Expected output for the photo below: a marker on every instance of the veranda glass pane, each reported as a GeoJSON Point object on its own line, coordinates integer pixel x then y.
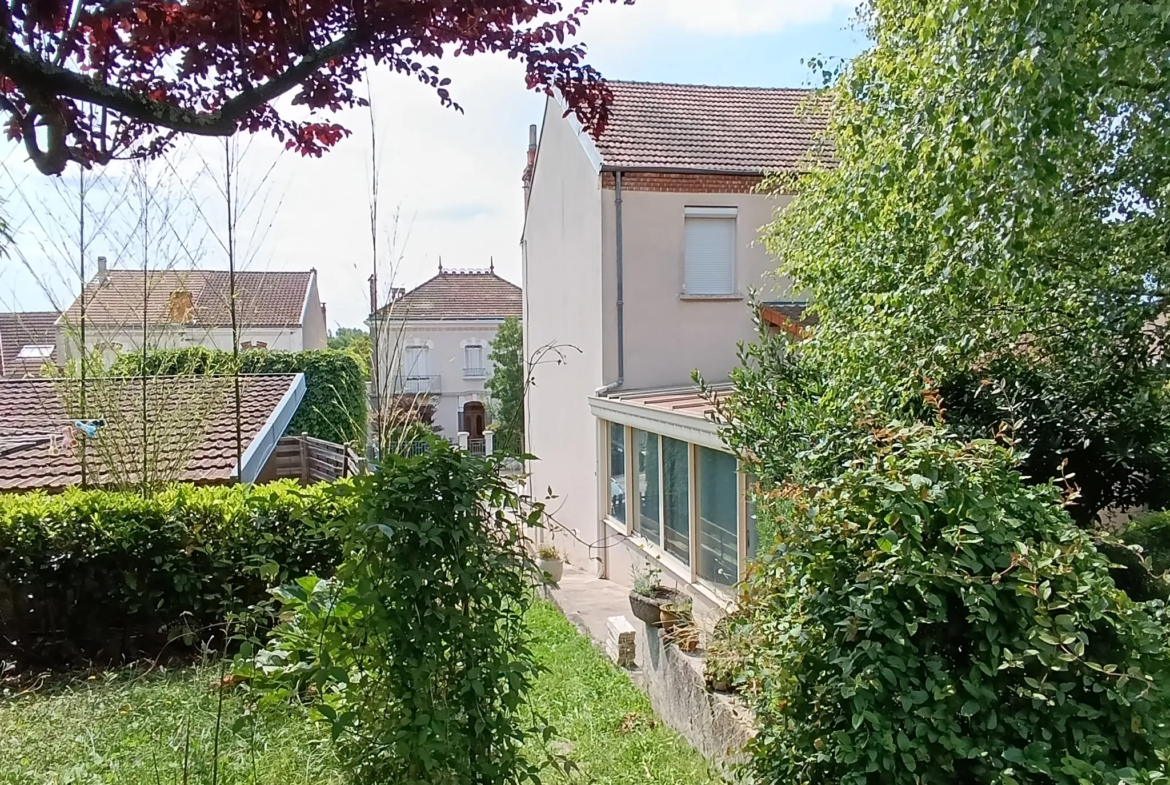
{"type": "Point", "coordinates": [675, 486]}
{"type": "Point", "coordinates": [718, 518]}
{"type": "Point", "coordinates": [617, 472]}
{"type": "Point", "coordinates": [646, 467]}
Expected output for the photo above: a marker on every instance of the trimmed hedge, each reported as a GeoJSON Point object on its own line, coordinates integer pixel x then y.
{"type": "Point", "coordinates": [99, 575]}
{"type": "Point", "coordinates": [334, 407]}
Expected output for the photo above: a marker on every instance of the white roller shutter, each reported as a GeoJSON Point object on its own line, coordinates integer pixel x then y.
{"type": "Point", "coordinates": [710, 255]}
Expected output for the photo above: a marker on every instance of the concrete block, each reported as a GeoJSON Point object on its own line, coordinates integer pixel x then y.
{"type": "Point", "coordinates": [620, 641]}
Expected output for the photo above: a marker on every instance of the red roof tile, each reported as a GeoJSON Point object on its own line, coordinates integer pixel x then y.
{"type": "Point", "coordinates": [263, 299]}
{"type": "Point", "coordinates": [454, 294]}
{"type": "Point", "coordinates": [699, 128]}
{"type": "Point", "coordinates": [190, 428]}
{"type": "Point", "coordinates": [18, 330]}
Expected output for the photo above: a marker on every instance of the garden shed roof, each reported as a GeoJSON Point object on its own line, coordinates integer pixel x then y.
{"type": "Point", "coordinates": [188, 433]}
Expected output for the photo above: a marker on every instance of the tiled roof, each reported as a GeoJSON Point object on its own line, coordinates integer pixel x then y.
{"type": "Point", "coordinates": [456, 294]}
{"type": "Point", "coordinates": [190, 428]}
{"type": "Point", "coordinates": [699, 128]}
{"type": "Point", "coordinates": [18, 330]}
{"type": "Point", "coordinates": [263, 299]}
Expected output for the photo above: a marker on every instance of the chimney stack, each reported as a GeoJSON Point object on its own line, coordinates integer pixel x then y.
{"type": "Point", "coordinates": [103, 271]}
{"type": "Point", "coordinates": [373, 297]}
{"type": "Point", "coordinates": [530, 168]}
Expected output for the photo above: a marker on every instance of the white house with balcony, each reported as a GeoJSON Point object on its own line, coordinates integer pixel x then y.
{"type": "Point", "coordinates": [640, 247]}
{"type": "Point", "coordinates": [434, 341]}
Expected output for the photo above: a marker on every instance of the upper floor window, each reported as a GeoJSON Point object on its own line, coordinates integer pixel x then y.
{"type": "Point", "coordinates": [415, 372]}
{"type": "Point", "coordinates": [246, 345]}
{"type": "Point", "coordinates": [710, 251]}
{"type": "Point", "coordinates": [473, 365]}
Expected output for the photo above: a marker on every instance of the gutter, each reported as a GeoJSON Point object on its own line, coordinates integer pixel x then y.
{"type": "Point", "coordinates": [601, 392]}
{"type": "Point", "coordinates": [262, 447]}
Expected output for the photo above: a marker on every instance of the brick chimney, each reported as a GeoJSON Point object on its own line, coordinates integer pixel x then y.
{"type": "Point", "coordinates": [182, 309]}
{"type": "Point", "coordinates": [530, 169]}
{"type": "Point", "coordinates": [103, 271]}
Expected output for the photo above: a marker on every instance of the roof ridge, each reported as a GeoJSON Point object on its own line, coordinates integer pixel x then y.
{"type": "Point", "coordinates": [713, 86]}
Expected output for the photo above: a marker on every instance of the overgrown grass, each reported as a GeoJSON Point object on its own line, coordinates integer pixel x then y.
{"type": "Point", "coordinates": [608, 727]}
{"type": "Point", "coordinates": [127, 727]}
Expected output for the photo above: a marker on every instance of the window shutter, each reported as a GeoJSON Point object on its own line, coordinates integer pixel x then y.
{"type": "Point", "coordinates": [416, 361]}
{"type": "Point", "coordinates": [710, 256]}
{"type": "Point", "coordinates": [473, 358]}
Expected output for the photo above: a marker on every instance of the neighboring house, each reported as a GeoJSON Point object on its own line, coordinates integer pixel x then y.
{"type": "Point", "coordinates": [183, 308]}
{"type": "Point", "coordinates": [640, 247]}
{"type": "Point", "coordinates": [435, 340]}
{"type": "Point", "coordinates": [190, 434]}
{"type": "Point", "coordinates": [27, 343]}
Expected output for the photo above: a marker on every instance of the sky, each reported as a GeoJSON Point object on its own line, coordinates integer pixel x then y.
{"type": "Point", "coordinates": [448, 182]}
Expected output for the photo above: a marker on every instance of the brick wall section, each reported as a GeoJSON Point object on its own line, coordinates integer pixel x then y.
{"type": "Point", "coordinates": [683, 183]}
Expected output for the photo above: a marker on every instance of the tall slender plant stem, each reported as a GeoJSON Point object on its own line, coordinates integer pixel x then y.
{"type": "Point", "coordinates": [81, 250]}
{"type": "Point", "coordinates": [229, 164]}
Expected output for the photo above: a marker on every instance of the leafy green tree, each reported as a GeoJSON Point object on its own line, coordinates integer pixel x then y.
{"type": "Point", "coordinates": [356, 342]}
{"type": "Point", "coordinates": [506, 386]}
{"type": "Point", "coordinates": [417, 653]}
{"type": "Point", "coordinates": [999, 206]}
{"type": "Point", "coordinates": [995, 211]}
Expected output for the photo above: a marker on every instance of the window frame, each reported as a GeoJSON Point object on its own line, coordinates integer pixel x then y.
{"type": "Point", "coordinates": [688, 572]}
{"type": "Point", "coordinates": [725, 213]}
{"type": "Point", "coordinates": [479, 372]}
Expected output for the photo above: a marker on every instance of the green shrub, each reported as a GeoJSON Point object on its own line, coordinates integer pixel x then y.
{"type": "Point", "coordinates": [1151, 530]}
{"type": "Point", "coordinates": [106, 575]}
{"type": "Point", "coordinates": [925, 616]}
{"type": "Point", "coordinates": [335, 402]}
{"type": "Point", "coordinates": [428, 609]}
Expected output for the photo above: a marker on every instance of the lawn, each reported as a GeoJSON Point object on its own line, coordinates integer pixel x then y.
{"type": "Point", "coordinates": [133, 728]}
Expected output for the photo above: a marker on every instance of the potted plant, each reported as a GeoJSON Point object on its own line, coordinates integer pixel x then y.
{"type": "Point", "coordinates": [551, 563]}
{"type": "Point", "coordinates": [649, 596]}
{"type": "Point", "coordinates": [726, 660]}
{"type": "Point", "coordinates": [678, 624]}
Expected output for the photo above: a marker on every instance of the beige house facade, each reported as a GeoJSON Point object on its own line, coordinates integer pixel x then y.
{"type": "Point", "coordinates": [640, 248]}
{"type": "Point", "coordinates": [435, 345]}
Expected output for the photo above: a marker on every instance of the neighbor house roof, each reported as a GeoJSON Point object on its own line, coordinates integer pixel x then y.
{"type": "Point", "coordinates": [190, 429]}
{"type": "Point", "coordinates": [27, 342]}
{"type": "Point", "coordinates": [459, 294]}
{"type": "Point", "coordinates": [263, 299]}
{"type": "Point", "coordinates": [699, 128]}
